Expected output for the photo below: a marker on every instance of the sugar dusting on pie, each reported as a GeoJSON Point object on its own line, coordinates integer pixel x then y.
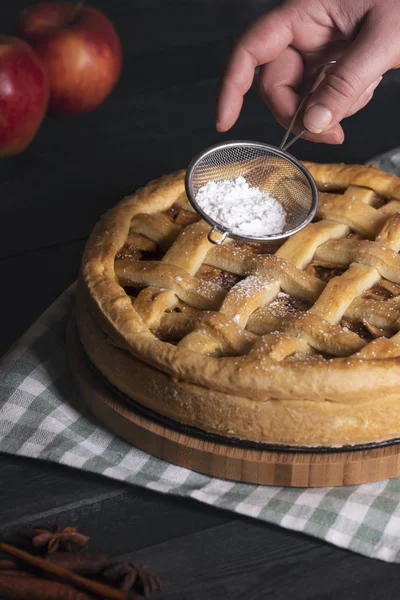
{"type": "Point", "coordinates": [294, 344]}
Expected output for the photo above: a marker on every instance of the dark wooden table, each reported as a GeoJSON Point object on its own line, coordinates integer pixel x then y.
{"type": "Point", "coordinates": [159, 116]}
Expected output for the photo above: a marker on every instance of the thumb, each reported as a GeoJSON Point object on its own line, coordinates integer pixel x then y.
{"type": "Point", "coordinates": [370, 55]}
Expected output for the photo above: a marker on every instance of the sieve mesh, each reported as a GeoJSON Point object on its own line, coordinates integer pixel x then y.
{"type": "Point", "coordinates": [270, 169]}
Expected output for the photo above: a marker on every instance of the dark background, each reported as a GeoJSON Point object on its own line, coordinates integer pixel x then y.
{"type": "Point", "coordinates": [159, 116]}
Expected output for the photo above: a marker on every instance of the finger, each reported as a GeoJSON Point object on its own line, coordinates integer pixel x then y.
{"type": "Point", "coordinates": [369, 56]}
{"type": "Point", "coordinates": [334, 135]}
{"type": "Point", "coordinates": [364, 98]}
{"type": "Point", "coordinates": [261, 43]}
{"type": "Point", "coordinates": [278, 81]}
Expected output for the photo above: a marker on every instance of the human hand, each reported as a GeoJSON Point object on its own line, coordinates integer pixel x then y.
{"type": "Point", "coordinates": [291, 41]}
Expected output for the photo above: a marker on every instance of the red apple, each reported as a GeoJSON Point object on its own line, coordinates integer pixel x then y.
{"type": "Point", "coordinates": [24, 94]}
{"type": "Point", "coordinates": [80, 49]}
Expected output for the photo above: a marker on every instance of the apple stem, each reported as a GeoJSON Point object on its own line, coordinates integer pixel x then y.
{"type": "Point", "coordinates": [73, 13]}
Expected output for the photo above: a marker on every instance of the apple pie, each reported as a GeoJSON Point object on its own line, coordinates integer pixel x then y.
{"type": "Point", "coordinates": [297, 344]}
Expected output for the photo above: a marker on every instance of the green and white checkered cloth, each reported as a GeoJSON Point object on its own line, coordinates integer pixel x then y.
{"type": "Point", "coordinates": [39, 418]}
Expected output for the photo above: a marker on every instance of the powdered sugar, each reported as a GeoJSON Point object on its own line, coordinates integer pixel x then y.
{"type": "Point", "coordinates": [240, 208]}
{"type": "Point", "coordinates": [252, 285]}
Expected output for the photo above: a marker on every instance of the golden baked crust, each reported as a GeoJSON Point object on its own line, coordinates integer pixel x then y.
{"type": "Point", "coordinates": [298, 346]}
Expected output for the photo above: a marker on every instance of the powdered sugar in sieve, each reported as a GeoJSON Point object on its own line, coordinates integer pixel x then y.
{"type": "Point", "coordinates": [241, 208]}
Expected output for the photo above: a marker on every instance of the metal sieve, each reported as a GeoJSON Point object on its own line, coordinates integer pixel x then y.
{"type": "Point", "coordinates": [271, 169]}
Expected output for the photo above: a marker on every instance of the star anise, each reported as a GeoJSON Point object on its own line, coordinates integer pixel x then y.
{"type": "Point", "coordinates": [133, 577]}
{"type": "Point", "coordinates": [53, 539]}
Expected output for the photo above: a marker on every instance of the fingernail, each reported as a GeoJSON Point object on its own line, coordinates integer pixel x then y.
{"type": "Point", "coordinates": [317, 118]}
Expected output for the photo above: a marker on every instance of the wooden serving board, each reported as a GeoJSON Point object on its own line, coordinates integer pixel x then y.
{"type": "Point", "coordinates": [210, 456]}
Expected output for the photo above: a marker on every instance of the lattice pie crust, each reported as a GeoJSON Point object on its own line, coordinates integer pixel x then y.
{"type": "Point", "coordinates": [294, 345]}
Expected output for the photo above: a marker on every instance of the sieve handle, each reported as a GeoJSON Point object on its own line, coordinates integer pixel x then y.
{"type": "Point", "coordinates": [217, 241]}
{"type": "Point", "coordinates": [284, 145]}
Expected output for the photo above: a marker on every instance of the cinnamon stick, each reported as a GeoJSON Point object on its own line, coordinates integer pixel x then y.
{"type": "Point", "coordinates": [102, 590]}
{"type": "Point", "coordinates": [84, 563]}
{"type": "Point", "coordinates": [32, 588]}
{"type": "Point", "coordinates": [15, 573]}
{"type": "Point", "coordinates": [9, 565]}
